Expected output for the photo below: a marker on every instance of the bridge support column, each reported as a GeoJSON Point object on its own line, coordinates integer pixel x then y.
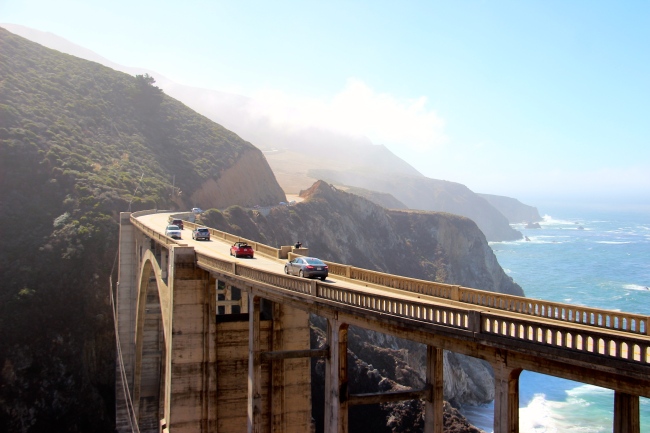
{"type": "Point", "coordinates": [190, 378]}
{"type": "Point", "coordinates": [336, 378]}
{"type": "Point", "coordinates": [433, 409]}
{"type": "Point", "coordinates": [125, 305]}
{"type": "Point", "coordinates": [254, 418]}
{"type": "Point", "coordinates": [506, 397]}
{"type": "Point", "coordinates": [626, 413]}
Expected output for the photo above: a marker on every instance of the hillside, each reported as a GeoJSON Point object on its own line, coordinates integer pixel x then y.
{"type": "Point", "coordinates": [79, 143]}
{"type": "Point", "coordinates": [300, 156]}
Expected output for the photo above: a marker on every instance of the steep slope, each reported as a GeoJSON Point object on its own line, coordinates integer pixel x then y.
{"type": "Point", "coordinates": [298, 157]}
{"type": "Point", "coordinates": [430, 195]}
{"type": "Point", "coordinates": [513, 209]}
{"type": "Point", "coordinates": [78, 144]}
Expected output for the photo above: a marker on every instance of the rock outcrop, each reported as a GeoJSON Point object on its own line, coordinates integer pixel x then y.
{"type": "Point", "coordinates": [346, 228]}
{"type": "Point", "coordinates": [421, 193]}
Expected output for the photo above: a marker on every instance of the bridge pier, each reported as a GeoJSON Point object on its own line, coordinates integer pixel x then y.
{"type": "Point", "coordinates": [254, 418]}
{"type": "Point", "coordinates": [626, 413]}
{"type": "Point", "coordinates": [336, 378]}
{"type": "Point", "coordinates": [433, 406]}
{"type": "Point", "coordinates": [506, 396]}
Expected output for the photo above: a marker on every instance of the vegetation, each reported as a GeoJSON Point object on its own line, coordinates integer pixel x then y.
{"type": "Point", "coordinates": [79, 143]}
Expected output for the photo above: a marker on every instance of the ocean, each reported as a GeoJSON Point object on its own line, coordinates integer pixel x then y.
{"type": "Point", "coordinates": [594, 258]}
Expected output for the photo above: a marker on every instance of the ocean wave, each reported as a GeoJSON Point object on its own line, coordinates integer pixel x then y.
{"type": "Point", "coordinates": [538, 416]}
{"type": "Point", "coordinates": [549, 220]}
{"type": "Point", "coordinates": [614, 242]}
{"type": "Point", "coordinates": [636, 287]}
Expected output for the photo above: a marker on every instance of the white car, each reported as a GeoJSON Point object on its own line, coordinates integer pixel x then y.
{"type": "Point", "coordinates": [197, 210]}
{"type": "Point", "coordinates": [173, 232]}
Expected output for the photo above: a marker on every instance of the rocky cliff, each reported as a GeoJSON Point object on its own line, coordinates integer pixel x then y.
{"type": "Point", "coordinates": [514, 210]}
{"type": "Point", "coordinates": [346, 228]}
{"type": "Point", "coordinates": [430, 195]}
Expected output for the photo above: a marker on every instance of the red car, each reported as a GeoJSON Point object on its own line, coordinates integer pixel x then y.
{"type": "Point", "coordinates": [241, 249]}
{"type": "Point", "coordinates": [178, 223]}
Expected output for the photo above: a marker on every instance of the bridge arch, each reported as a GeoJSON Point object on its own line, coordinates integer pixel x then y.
{"type": "Point", "coordinates": [152, 340]}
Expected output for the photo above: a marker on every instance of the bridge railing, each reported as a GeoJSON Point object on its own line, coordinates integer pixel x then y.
{"type": "Point", "coordinates": [594, 317]}
{"type": "Point", "coordinates": [161, 238]}
{"type": "Point", "coordinates": [628, 347]}
{"type": "Point", "coordinates": [607, 319]}
{"type": "Point", "coordinates": [477, 323]}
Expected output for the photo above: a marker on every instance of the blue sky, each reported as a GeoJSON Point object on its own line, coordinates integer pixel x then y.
{"type": "Point", "coordinates": [545, 101]}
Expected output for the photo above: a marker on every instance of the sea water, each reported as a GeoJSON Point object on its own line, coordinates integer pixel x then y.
{"type": "Point", "coordinates": [591, 258]}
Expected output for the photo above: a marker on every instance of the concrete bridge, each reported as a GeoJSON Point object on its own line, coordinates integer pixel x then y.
{"type": "Point", "coordinates": [211, 343]}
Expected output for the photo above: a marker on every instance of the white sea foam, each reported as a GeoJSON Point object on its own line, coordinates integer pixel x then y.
{"type": "Point", "coordinates": [613, 242]}
{"type": "Point", "coordinates": [549, 220]}
{"type": "Point", "coordinates": [636, 287]}
{"type": "Point", "coordinates": [538, 416]}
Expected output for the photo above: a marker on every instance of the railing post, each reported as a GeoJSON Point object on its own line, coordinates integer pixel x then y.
{"type": "Point", "coordinates": [454, 293]}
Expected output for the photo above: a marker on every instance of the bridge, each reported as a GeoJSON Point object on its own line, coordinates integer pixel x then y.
{"type": "Point", "coordinates": [212, 343]}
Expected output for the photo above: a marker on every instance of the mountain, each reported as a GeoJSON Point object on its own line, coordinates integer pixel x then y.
{"type": "Point", "coordinates": [513, 209]}
{"type": "Point", "coordinates": [301, 156]}
{"type": "Point", "coordinates": [430, 194]}
{"type": "Point", "coordinates": [79, 143]}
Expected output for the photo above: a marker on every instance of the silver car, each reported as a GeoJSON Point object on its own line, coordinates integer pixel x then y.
{"type": "Point", "coordinates": [308, 267]}
{"type": "Point", "coordinates": [173, 231]}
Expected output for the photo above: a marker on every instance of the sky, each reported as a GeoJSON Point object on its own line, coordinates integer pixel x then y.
{"type": "Point", "coordinates": [545, 101]}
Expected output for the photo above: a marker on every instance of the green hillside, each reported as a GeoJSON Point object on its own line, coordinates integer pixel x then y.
{"type": "Point", "coordinates": [79, 143]}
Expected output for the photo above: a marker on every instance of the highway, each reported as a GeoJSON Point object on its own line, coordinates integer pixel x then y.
{"type": "Point", "coordinates": [221, 249]}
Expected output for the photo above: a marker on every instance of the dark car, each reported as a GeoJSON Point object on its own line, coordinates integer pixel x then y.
{"type": "Point", "coordinates": [201, 233]}
{"type": "Point", "coordinates": [178, 223]}
{"type": "Point", "coordinates": [241, 249]}
{"type": "Point", "coordinates": [308, 267]}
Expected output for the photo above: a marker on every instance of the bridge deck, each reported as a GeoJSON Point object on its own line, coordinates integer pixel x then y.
{"type": "Point", "coordinates": [622, 351]}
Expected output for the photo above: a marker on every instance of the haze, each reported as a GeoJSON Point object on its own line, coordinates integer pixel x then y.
{"type": "Point", "coordinates": [542, 101]}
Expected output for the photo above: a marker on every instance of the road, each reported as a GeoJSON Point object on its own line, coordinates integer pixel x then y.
{"type": "Point", "coordinates": [221, 249]}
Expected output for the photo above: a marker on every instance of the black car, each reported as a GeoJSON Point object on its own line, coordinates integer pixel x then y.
{"type": "Point", "coordinates": [201, 233]}
{"type": "Point", "coordinates": [308, 267]}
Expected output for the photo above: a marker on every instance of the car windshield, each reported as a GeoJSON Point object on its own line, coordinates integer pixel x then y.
{"type": "Point", "coordinates": [172, 228]}
{"type": "Point", "coordinates": [313, 261]}
{"type": "Point", "coordinates": [202, 230]}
